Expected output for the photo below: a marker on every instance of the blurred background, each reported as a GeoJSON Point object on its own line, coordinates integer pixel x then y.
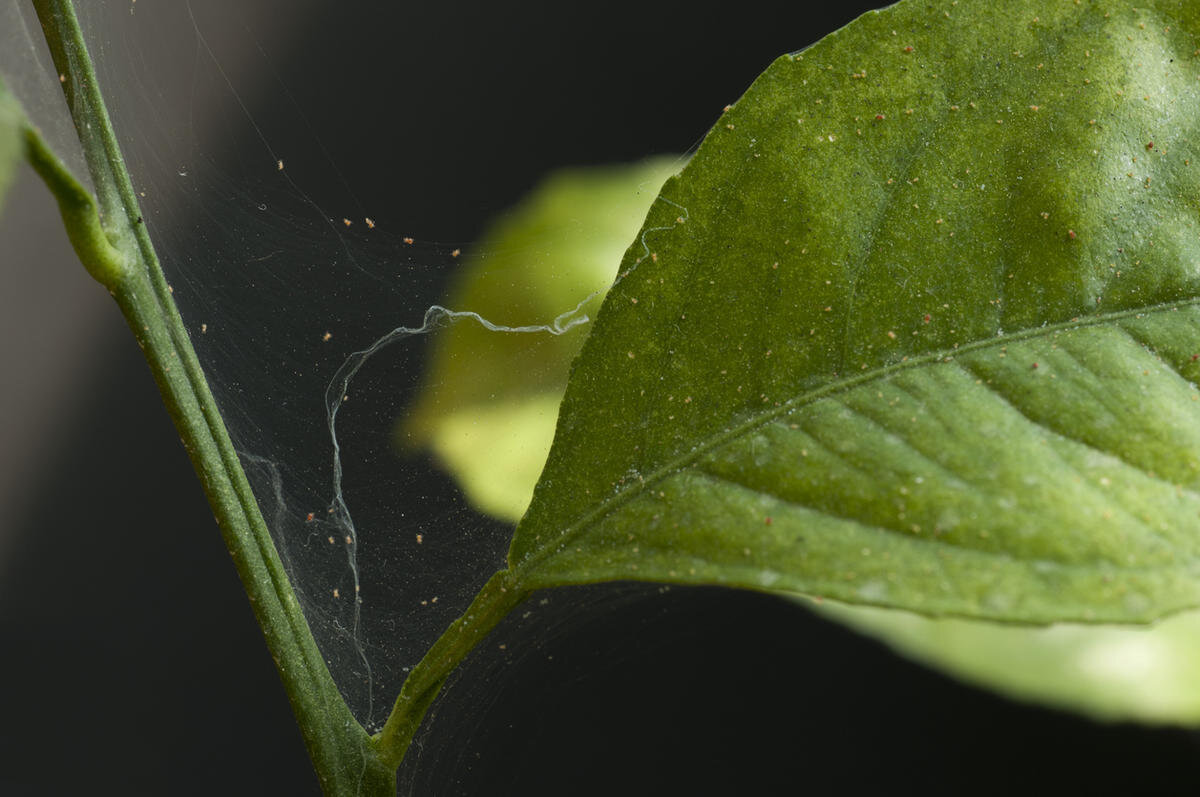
{"type": "Point", "coordinates": [129, 657]}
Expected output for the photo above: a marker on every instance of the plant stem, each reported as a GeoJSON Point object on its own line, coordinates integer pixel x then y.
{"type": "Point", "coordinates": [499, 596]}
{"type": "Point", "coordinates": [115, 247]}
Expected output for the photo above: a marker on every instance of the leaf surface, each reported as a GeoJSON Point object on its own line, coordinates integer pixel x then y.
{"type": "Point", "coordinates": [916, 329]}
{"type": "Point", "coordinates": [1145, 673]}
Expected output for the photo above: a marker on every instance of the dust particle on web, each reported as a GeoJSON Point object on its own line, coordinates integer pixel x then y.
{"type": "Point", "coordinates": [203, 328]}
{"type": "Point", "coordinates": [327, 336]}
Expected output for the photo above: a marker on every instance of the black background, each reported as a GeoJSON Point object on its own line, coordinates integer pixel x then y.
{"type": "Point", "coordinates": [129, 659]}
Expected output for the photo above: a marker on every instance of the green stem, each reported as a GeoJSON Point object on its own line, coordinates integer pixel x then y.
{"type": "Point", "coordinates": [115, 247]}
{"type": "Point", "coordinates": [499, 596]}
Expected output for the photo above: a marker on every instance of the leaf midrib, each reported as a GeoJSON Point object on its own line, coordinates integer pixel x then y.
{"type": "Point", "coordinates": [608, 505]}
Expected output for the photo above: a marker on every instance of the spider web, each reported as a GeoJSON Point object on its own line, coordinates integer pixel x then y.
{"type": "Point", "coordinates": [290, 276]}
{"type": "Point", "coordinates": [313, 180]}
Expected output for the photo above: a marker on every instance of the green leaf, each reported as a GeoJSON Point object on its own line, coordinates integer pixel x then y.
{"type": "Point", "coordinates": [11, 149]}
{"type": "Point", "coordinates": [499, 393]}
{"type": "Point", "coordinates": [916, 329]}
{"type": "Point", "coordinates": [1146, 673]}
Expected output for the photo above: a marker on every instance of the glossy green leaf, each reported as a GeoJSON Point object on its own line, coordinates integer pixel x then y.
{"type": "Point", "coordinates": [11, 148]}
{"type": "Point", "coordinates": [915, 329]}
{"type": "Point", "coordinates": [1147, 673]}
{"type": "Point", "coordinates": [500, 393]}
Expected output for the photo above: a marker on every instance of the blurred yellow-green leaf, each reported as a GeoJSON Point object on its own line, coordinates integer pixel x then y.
{"type": "Point", "coordinates": [489, 401]}
{"type": "Point", "coordinates": [11, 120]}
{"type": "Point", "coordinates": [1142, 673]}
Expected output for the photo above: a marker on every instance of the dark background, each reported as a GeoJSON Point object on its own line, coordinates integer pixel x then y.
{"type": "Point", "coordinates": [129, 659]}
